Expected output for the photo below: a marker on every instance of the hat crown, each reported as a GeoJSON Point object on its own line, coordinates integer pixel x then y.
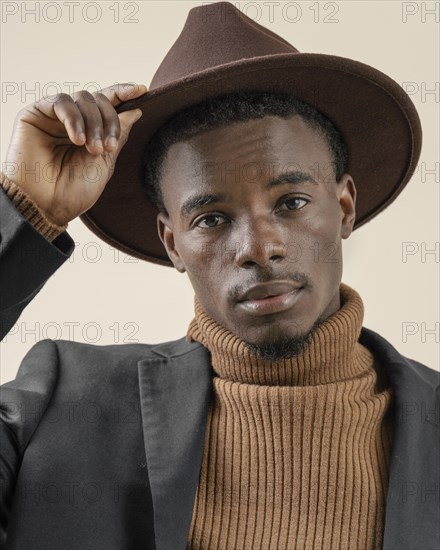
{"type": "Point", "coordinates": [213, 35]}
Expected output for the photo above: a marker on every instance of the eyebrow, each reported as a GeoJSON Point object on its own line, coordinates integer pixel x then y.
{"type": "Point", "coordinates": [195, 202]}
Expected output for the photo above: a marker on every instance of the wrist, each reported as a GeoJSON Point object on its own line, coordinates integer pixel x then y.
{"type": "Point", "coordinates": [30, 210]}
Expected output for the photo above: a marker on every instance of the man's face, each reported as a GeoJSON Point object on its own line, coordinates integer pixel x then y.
{"type": "Point", "coordinates": [256, 232]}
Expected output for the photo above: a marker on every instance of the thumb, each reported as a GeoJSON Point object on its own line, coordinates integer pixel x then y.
{"type": "Point", "coordinates": [126, 119]}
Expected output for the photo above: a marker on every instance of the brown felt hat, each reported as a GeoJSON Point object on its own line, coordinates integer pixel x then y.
{"type": "Point", "coordinates": [222, 51]}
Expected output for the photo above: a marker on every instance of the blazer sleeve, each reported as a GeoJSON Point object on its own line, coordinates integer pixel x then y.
{"type": "Point", "coordinates": [23, 402]}
{"type": "Point", "coordinates": [27, 260]}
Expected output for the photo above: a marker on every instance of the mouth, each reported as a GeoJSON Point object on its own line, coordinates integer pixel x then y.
{"type": "Point", "coordinates": [272, 303]}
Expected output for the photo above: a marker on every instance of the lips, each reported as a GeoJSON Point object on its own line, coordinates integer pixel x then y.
{"type": "Point", "coordinates": [274, 288]}
{"type": "Point", "coordinates": [276, 304]}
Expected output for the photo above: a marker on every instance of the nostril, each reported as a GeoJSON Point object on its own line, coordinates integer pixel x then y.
{"type": "Point", "coordinates": [260, 253]}
{"type": "Point", "coordinates": [276, 257]}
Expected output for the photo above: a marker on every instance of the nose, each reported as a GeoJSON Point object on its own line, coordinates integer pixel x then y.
{"type": "Point", "coordinates": [260, 244]}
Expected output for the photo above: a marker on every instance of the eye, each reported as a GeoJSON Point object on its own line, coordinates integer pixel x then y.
{"type": "Point", "coordinates": [295, 200]}
{"type": "Point", "coordinates": [209, 217]}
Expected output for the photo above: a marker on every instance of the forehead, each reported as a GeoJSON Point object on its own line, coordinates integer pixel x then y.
{"type": "Point", "coordinates": [206, 159]}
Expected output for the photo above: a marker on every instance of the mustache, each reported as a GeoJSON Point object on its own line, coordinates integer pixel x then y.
{"type": "Point", "coordinates": [267, 276]}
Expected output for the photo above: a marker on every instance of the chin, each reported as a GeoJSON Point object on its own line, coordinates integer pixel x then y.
{"type": "Point", "coordinates": [282, 346]}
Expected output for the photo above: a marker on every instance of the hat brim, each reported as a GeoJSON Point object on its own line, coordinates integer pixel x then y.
{"type": "Point", "coordinates": [374, 115]}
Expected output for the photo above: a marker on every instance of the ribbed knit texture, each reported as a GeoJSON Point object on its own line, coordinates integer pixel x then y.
{"type": "Point", "coordinates": [296, 452]}
{"type": "Point", "coordinates": [29, 209]}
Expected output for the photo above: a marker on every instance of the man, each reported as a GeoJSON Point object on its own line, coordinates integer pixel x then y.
{"type": "Point", "coordinates": [278, 421]}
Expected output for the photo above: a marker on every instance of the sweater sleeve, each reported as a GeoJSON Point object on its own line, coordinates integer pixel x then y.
{"type": "Point", "coordinates": [29, 209]}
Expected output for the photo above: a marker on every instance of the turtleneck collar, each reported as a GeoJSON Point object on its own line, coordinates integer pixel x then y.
{"type": "Point", "coordinates": [332, 353]}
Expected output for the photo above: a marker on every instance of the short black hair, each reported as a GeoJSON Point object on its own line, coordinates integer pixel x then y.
{"type": "Point", "coordinates": [220, 111]}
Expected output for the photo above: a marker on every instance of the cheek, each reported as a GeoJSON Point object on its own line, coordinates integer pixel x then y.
{"type": "Point", "coordinates": [202, 252]}
{"type": "Point", "coordinates": [202, 262]}
{"type": "Point", "coordinates": [318, 243]}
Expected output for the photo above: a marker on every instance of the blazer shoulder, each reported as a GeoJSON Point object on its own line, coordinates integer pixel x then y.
{"type": "Point", "coordinates": [24, 400]}
{"type": "Point", "coordinates": [38, 368]}
{"type": "Point", "coordinates": [431, 376]}
{"type": "Point", "coordinates": [396, 362]}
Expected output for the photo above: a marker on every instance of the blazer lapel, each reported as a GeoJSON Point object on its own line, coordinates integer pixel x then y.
{"type": "Point", "coordinates": [175, 390]}
{"type": "Point", "coordinates": [412, 515]}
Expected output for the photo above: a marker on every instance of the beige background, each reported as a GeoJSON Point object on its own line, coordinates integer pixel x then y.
{"type": "Point", "coordinates": [102, 296]}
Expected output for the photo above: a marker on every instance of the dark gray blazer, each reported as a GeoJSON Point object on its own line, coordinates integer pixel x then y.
{"type": "Point", "coordinates": [101, 446]}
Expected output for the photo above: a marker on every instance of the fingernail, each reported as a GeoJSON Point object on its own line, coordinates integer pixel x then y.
{"type": "Point", "coordinates": [98, 143]}
{"type": "Point", "coordinates": [112, 142]}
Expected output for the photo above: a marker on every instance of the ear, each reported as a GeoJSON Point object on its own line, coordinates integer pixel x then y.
{"type": "Point", "coordinates": [166, 234]}
{"type": "Point", "coordinates": [347, 201]}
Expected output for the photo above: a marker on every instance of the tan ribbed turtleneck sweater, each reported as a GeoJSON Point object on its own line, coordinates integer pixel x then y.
{"type": "Point", "coordinates": [296, 452]}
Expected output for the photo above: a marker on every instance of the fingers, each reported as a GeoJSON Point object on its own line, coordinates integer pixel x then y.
{"type": "Point", "coordinates": [111, 124]}
{"type": "Point", "coordinates": [127, 119]}
{"type": "Point", "coordinates": [106, 100]}
{"type": "Point", "coordinates": [118, 93]}
{"type": "Point", "coordinates": [91, 119]}
{"type": "Point", "coordinates": [93, 122]}
{"type": "Point", "coordinates": [62, 107]}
